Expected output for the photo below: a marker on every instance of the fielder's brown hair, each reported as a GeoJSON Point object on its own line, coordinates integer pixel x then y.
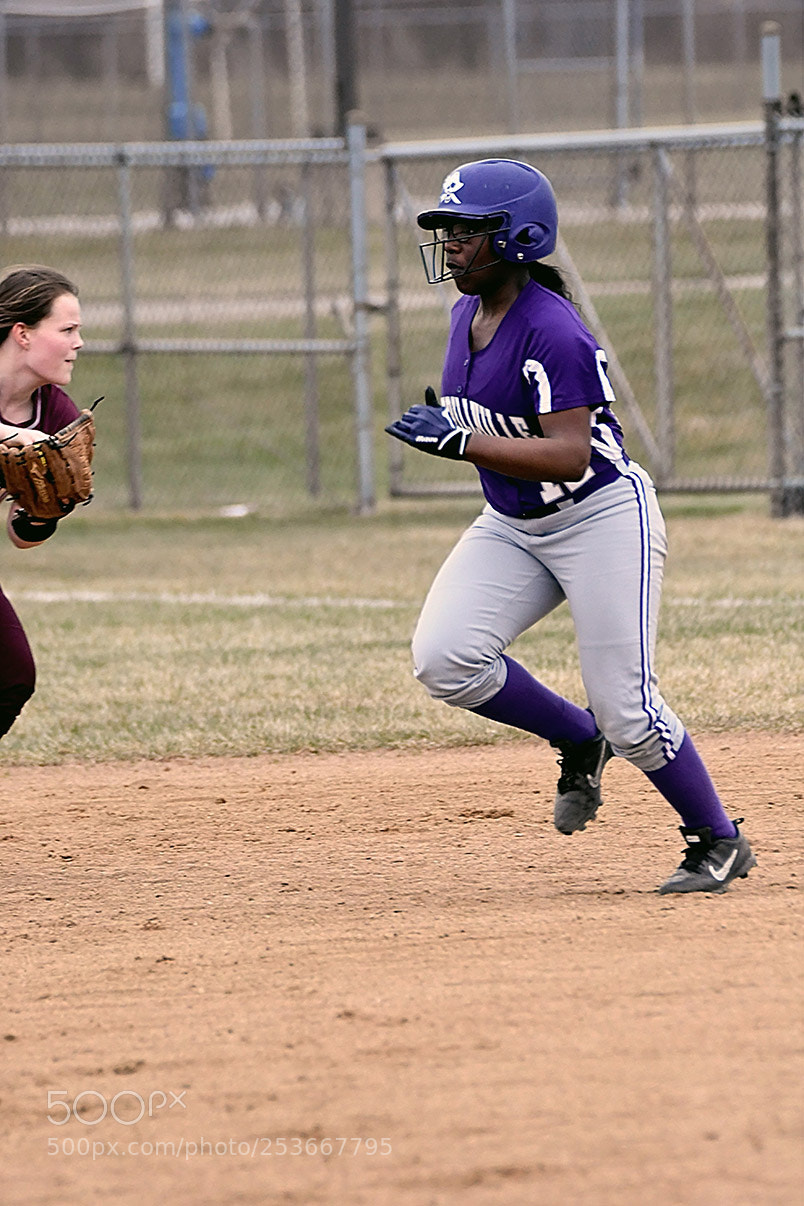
{"type": "Point", "coordinates": [27, 294]}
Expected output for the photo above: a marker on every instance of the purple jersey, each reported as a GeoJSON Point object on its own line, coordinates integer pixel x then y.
{"type": "Point", "coordinates": [541, 359]}
{"type": "Point", "coordinates": [52, 410]}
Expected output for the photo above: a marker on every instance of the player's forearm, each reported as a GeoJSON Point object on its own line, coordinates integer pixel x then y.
{"type": "Point", "coordinates": [538, 460]}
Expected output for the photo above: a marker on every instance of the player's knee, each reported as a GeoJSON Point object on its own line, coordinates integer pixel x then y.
{"type": "Point", "coordinates": [438, 676]}
{"type": "Point", "coordinates": [447, 675]}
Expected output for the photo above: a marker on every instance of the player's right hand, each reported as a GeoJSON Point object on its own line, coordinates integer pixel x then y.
{"type": "Point", "coordinates": [431, 429]}
{"type": "Point", "coordinates": [18, 437]}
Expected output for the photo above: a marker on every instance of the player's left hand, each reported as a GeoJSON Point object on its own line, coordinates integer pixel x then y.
{"type": "Point", "coordinates": [430, 429]}
{"type": "Point", "coordinates": [49, 477]}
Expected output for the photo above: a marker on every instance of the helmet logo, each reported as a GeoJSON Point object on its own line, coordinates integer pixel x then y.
{"type": "Point", "coordinates": [450, 187]}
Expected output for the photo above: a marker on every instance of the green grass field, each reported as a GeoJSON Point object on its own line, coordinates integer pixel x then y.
{"type": "Point", "coordinates": [304, 645]}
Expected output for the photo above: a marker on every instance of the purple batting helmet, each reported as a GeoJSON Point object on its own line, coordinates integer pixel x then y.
{"type": "Point", "coordinates": [513, 200]}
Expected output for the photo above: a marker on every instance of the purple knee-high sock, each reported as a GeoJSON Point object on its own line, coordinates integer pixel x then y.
{"type": "Point", "coordinates": [685, 784]}
{"type": "Point", "coordinates": [527, 704]}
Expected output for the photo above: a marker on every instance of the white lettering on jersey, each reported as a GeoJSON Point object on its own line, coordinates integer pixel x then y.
{"type": "Point", "coordinates": [534, 373]}
{"type": "Point", "coordinates": [603, 438]}
{"type": "Point", "coordinates": [467, 413]}
{"type": "Point", "coordinates": [555, 491]}
{"type": "Point", "coordinates": [602, 367]}
{"type": "Point", "coordinates": [450, 187]}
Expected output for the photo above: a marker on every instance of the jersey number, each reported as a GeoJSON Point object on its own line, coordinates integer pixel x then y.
{"type": "Point", "coordinates": [602, 366]}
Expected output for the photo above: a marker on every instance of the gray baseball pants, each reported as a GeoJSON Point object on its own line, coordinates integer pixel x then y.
{"type": "Point", "coordinates": [605, 556]}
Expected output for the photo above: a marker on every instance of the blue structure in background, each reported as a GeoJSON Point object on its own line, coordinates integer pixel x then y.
{"type": "Point", "coordinates": [184, 119]}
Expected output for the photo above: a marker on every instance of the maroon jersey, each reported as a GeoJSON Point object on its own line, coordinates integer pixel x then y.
{"type": "Point", "coordinates": [52, 410]}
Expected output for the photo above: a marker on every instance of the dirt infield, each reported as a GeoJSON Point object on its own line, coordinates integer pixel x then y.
{"type": "Point", "coordinates": [268, 972]}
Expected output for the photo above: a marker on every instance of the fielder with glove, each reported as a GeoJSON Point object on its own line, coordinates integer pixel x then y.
{"type": "Point", "coordinates": [48, 478]}
{"type": "Point", "coordinates": [45, 443]}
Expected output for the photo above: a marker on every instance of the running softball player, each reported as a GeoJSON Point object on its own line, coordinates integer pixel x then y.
{"type": "Point", "coordinates": [40, 337]}
{"type": "Point", "coordinates": [525, 397]}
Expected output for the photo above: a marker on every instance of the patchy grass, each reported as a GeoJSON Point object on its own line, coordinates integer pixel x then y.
{"type": "Point", "coordinates": [167, 637]}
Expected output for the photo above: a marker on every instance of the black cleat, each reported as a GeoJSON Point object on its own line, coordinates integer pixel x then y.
{"type": "Point", "coordinates": [710, 864]}
{"type": "Point", "coordinates": [578, 793]}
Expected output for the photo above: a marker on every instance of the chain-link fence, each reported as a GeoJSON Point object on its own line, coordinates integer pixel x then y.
{"type": "Point", "coordinates": [261, 69]}
{"type": "Point", "coordinates": [662, 237]}
{"type": "Point", "coordinates": [217, 285]}
{"type": "Point", "coordinates": [784, 142]}
{"type": "Point", "coordinates": [254, 312]}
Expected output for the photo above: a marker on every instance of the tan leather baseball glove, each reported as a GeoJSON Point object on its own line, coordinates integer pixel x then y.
{"type": "Point", "coordinates": [49, 478]}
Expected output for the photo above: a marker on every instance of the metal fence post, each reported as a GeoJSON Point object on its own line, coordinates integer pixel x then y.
{"type": "Point", "coordinates": [797, 333]}
{"type": "Point", "coordinates": [311, 421]}
{"type": "Point", "coordinates": [128, 344]}
{"type": "Point", "coordinates": [771, 95]}
{"type": "Point", "coordinates": [622, 93]}
{"type": "Point", "coordinates": [258, 104]}
{"type": "Point", "coordinates": [393, 325]}
{"type": "Point", "coordinates": [663, 319]}
{"type": "Point", "coordinates": [509, 22]}
{"type": "Point", "coordinates": [690, 106]}
{"type": "Point", "coordinates": [361, 375]}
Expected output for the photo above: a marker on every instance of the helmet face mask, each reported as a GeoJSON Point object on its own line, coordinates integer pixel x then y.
{"type": "Point", "coordinates": [434, 253]}
{"type": "Point", "coordinates": [511, 201]}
